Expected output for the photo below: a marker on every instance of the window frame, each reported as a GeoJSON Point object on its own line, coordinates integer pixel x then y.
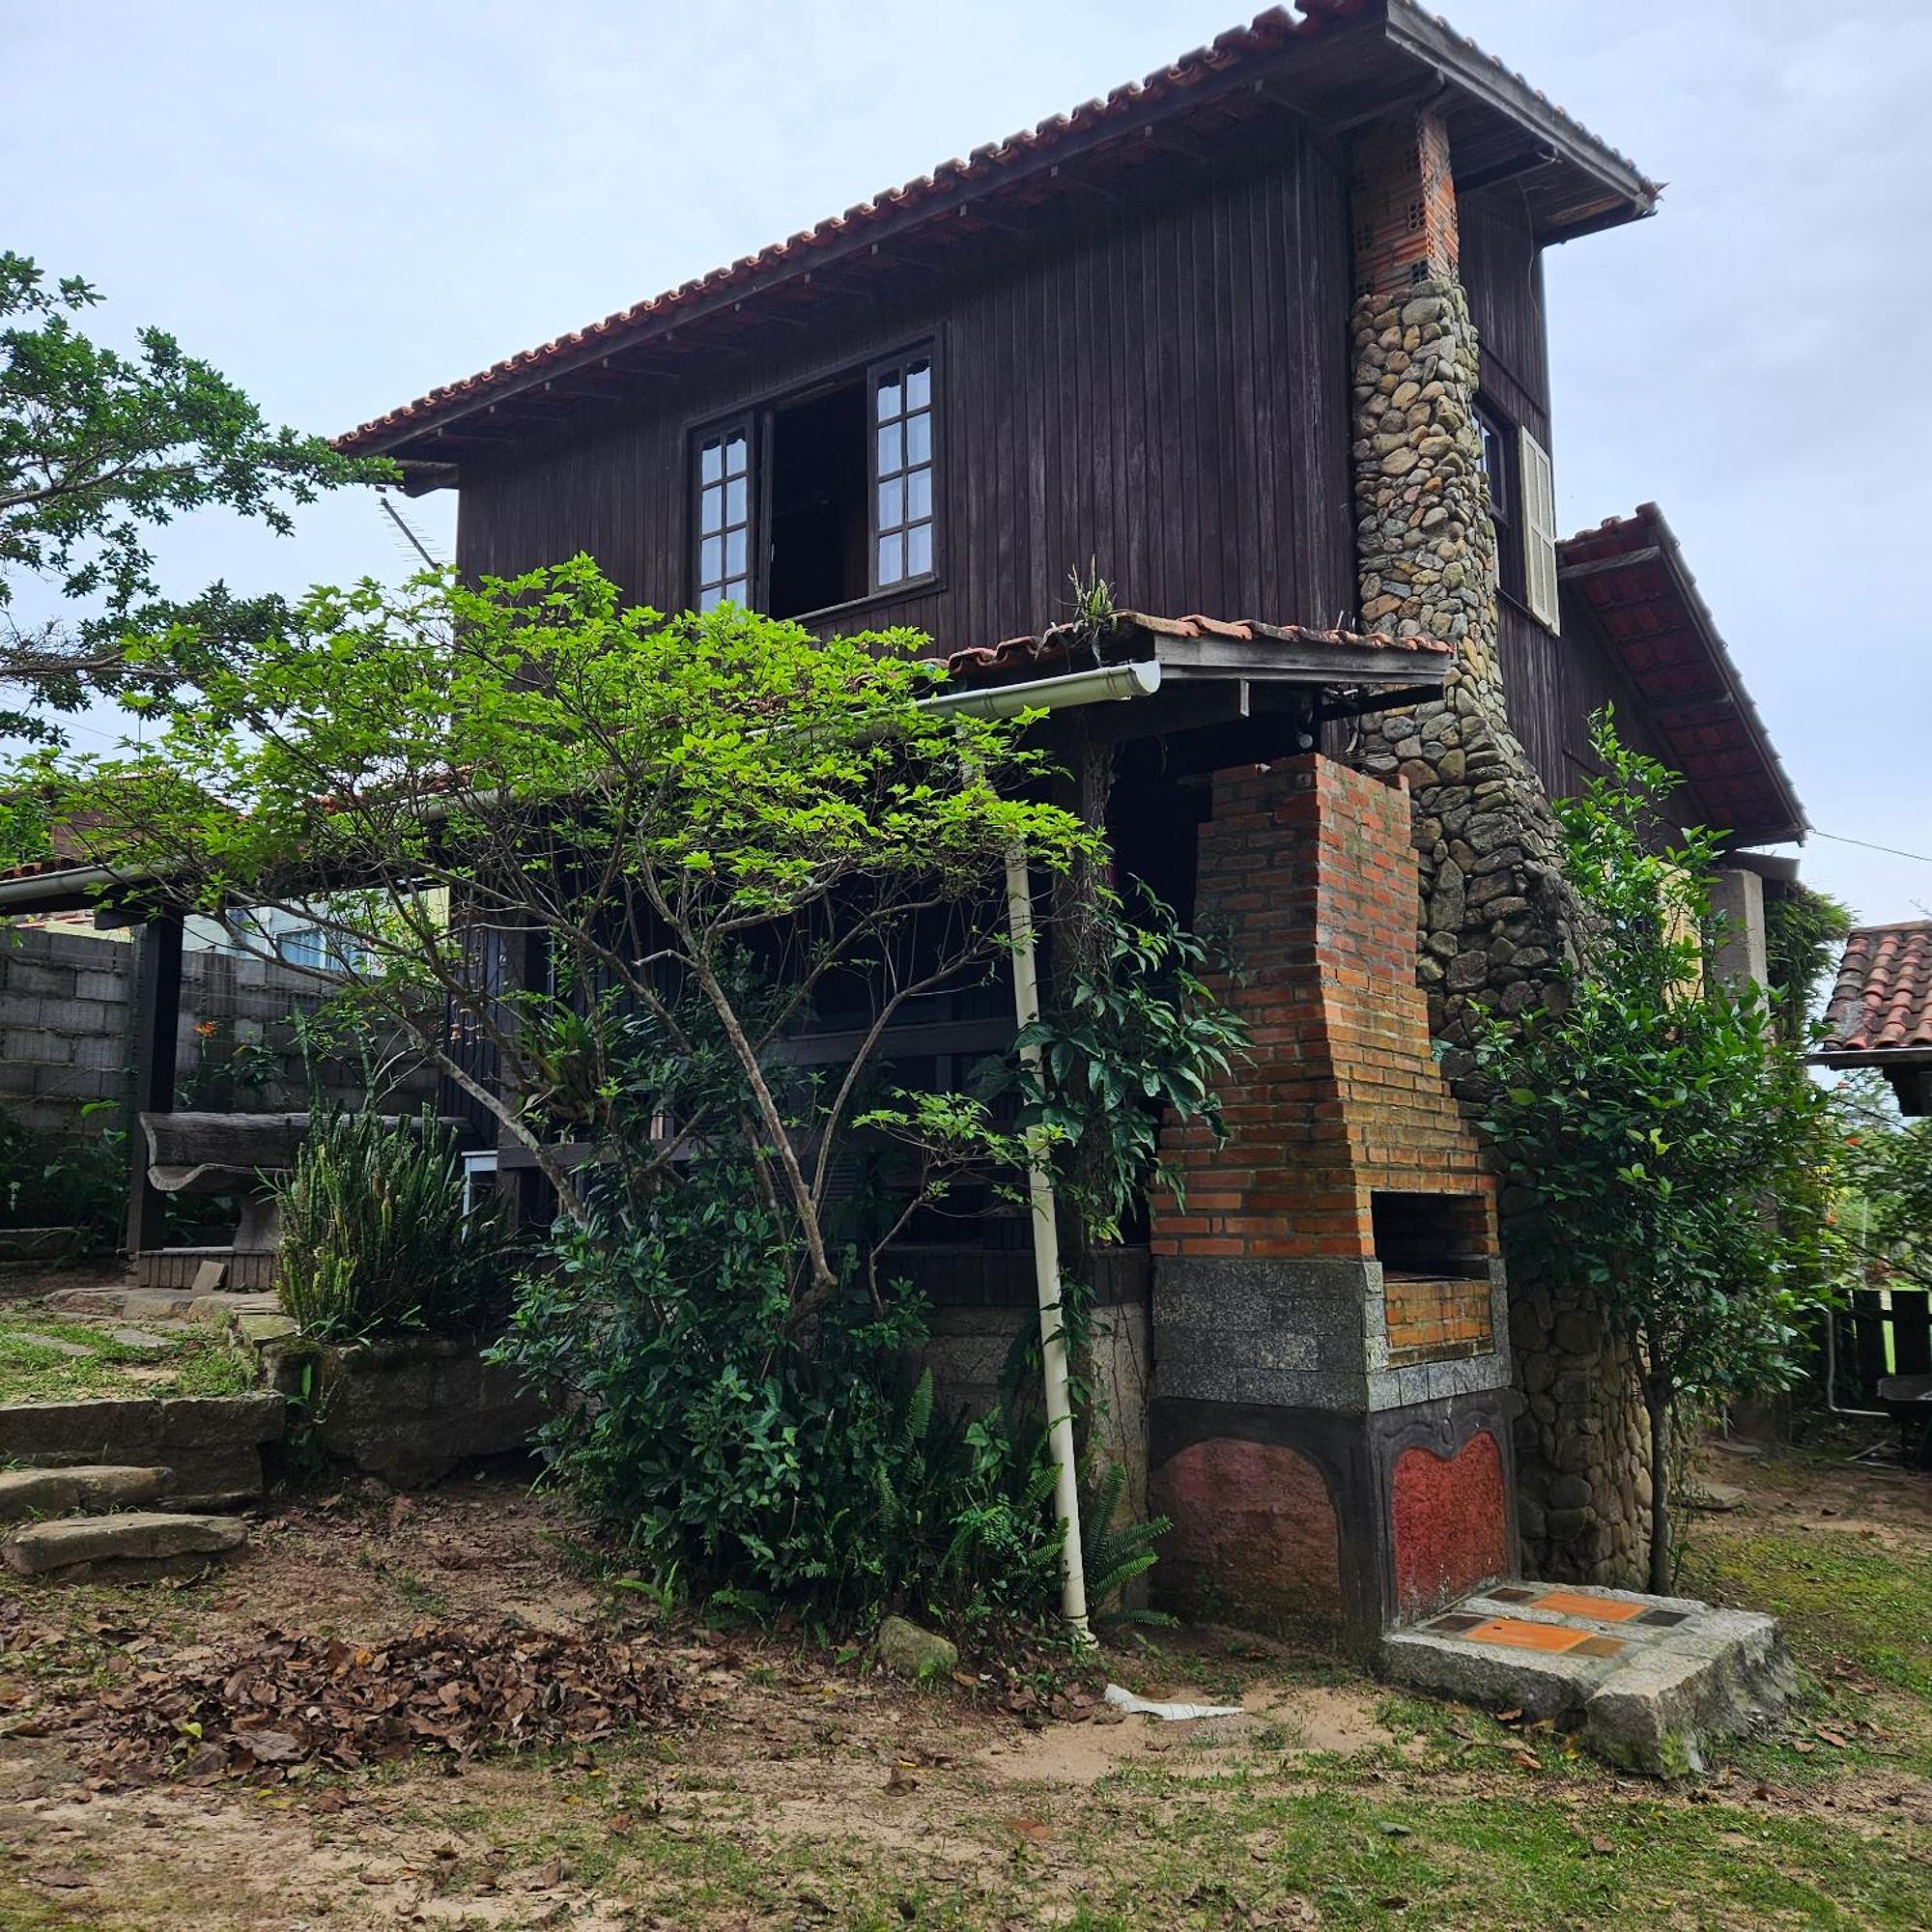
{"type": "Point", "coordinates": [1499, 433]}
{"type": "Point", "coordinates": [885, 366]}
{"type": "Point", "coordinates": [744, 423]}
{"type": "Point", "coordinates": [755, 417]}
{"type": "Point", "coordinates": [1542, 567]}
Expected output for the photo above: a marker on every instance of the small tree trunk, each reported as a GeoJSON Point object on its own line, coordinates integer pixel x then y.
{"type": "Point", "coordinates": [1657, 1401]}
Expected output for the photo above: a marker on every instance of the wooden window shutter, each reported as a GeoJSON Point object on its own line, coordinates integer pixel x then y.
{"type": "Point", "coordinates": [1539, 534]}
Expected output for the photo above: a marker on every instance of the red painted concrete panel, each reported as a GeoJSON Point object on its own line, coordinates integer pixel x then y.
{"type": "Point", "coordinates": [1254, 1539]}
{"type": "Point", "coordinates": [1451, 1525]}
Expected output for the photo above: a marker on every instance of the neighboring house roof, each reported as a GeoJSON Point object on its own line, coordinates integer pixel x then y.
{"type": "Point", "coordinates": [1631, 574]}
{"type": "Point", "coordinates": [1341, 64]}
{"type": "Point", "coordinates": [1880, 1010]}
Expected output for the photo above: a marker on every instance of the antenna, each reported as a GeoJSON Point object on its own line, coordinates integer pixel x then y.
{"type": "Point", "coordinates": [397, 517]}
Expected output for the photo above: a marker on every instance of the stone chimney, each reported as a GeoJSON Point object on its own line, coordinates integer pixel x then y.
{"type": "Point", "coordinates": [1497, 918]}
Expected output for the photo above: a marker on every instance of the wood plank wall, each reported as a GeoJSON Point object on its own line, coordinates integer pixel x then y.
{"type": "Point", "coordinates": [1554, 685]}
{"type": "Point", "coordinates": [1159, 390]}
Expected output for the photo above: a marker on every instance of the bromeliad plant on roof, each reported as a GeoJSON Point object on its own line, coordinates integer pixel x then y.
{"type": "Point", "coordinates": [604, 867]}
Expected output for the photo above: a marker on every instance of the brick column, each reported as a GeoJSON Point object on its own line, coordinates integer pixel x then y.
{"type": "Point", "coordinates": [1498, 919]}
{"type": "Point", "coordinates": [1331, 1417]}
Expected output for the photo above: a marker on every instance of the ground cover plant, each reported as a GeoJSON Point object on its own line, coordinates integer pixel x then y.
{"type": "Point", "coordinates": [45, 1358]}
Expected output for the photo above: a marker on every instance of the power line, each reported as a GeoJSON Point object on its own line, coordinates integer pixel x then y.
{"type": "Point", "coordinates": [1839, 838]}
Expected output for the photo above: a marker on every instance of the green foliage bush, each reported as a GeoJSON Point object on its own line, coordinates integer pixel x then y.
{"type": "Point", "coordinates": [1668, 1136]}
{"type": "Point", "coordinates": [374, 1235]}
{"type": "Point", "coordinates": [75, 1180]}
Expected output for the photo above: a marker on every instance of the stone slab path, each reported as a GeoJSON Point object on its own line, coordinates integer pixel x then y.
{"type": "Point", "coordinates": [126, 1545]}
{"type": "Point", "coordinates": [1651, 1678]}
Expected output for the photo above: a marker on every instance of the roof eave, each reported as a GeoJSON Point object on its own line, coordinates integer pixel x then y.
{"type": "Point", "coordinates": [1626, 194]}
{"type": "Point", "coordinates": [1287, 68]}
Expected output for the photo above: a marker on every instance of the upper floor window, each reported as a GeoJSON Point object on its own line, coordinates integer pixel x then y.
{"type": "Point", "coordinates": [822, 497]}
{"type": "Point", "coordinates": [724, 518]}
{"type": "Point", "coordinates": [1523, 507]}
{"type": "Point", "coordinates": [902, 447]}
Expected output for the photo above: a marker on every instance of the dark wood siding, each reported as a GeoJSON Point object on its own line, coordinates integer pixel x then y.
{"type": "Point", "coordinates": [1160, 391]}
{"type": "Point", "coordinates": [1554, 685]}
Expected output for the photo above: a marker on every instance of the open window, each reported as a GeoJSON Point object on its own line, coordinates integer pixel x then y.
{"type": "Point", "coordinates": [1522, 507]}
{"type": "Point", "coordinates": [823, 498]}
{"type": "Point", "coordinates": [1539, 534]}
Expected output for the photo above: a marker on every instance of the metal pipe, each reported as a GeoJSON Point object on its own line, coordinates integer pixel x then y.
{"type": "Point", "coordinates": [1140, 678]}
{"type": "Point", "coordinates": [1046, 1266]}
{"type": "Point", "coordinates": [1110, 683]}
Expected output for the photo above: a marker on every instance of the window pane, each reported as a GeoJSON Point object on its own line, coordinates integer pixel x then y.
{"type": "Point", "coordinates": [891, 503]}
{"type": "Point", "coordinates": [919, 438]}
{"type": "Point", "coordinates": [919, 549]}
{"type": "Point", "coordinates": [892, 559]}
{"type": "Point", "coordinates": [710, 560]}
{"type": "Point", "coordinates": [735, 593]}
{"type": "Point", "coordinates": [734, 553]}
{"type": "Point", "coordinates": [734, 456]}
{"type": "Point", "coordinates": [734, 501]}
{"type": "Point", "coordinates": [891, 447]}
{"type": "Point", "coordinates": [918, 385]}
{"type": "Point", "coordinates": [711, 462]}
{"type": "Point", "coordinates": [711, 510]}
{"type": "Point", "coordinates": [919, 494]}
{"type": "Point", "coordinates": [889, 403]}
{"type": "Point", "coordinates": [709, 600]}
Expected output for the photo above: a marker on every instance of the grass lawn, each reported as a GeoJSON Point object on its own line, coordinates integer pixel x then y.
{"type": "Point", "coordinates": [47, 1359]}
{"type": "Point", "coordinates": [804, 1791]}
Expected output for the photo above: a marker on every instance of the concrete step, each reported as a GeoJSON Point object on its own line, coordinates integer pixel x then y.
{"type": "Point", "coordinates": [134, 1546]}
{"type": "Point", "coordinates": [210, 1443]}
{"type": "Point", "coordinates": [26, 1494]}
{"type": "Point", "coordinates": [1650, 1681]}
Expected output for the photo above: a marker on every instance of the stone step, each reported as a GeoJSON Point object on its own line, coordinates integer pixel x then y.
{"type": "Point", "coordinates": [133, 1547]}
{"type": "Point", "coordinates": [1650, 1681]}
{"type": "Point", "coordinates": [26, 1494]}
{"type": "Point", "coordinates": [212, 1444]}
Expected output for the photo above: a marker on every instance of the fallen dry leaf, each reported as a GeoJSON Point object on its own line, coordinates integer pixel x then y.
{"type": "Point", "coordinates": [279, 1701]}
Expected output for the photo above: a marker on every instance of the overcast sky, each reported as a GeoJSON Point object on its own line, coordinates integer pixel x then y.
{"type": "Point", "coordinates": [343, 205]}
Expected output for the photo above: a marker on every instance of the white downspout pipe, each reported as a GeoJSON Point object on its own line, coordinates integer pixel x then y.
{"type": "Point", "coordinates": [1046, 1268]}
{"type": "Point", "coordinates": [1110, 683]}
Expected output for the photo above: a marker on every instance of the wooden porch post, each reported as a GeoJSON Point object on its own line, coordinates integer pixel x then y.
{"type": "Point", "coordinates": [154, 1022]}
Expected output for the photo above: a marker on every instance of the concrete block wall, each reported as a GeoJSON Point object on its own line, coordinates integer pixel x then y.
{"type": "Point", "coordinates": [65, 1005]}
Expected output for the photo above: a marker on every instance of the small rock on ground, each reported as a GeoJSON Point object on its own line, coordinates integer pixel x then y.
{"type": "Point", "coordinates": [52, 1342]}
{"type": "Point", "coordinates": [911, 1651]}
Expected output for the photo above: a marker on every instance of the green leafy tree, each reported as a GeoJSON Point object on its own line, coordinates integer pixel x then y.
{"type": "Point", "coordinates": [1803, 930]}
{"type": "Point", "coordinates": [652, 891]}
{"type": "Point", "coordinates": [1668, 1136]}
{"type": "Point", "coordinates": [97, 449]}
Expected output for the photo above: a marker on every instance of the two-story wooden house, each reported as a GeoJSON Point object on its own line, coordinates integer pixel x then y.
{"type": "Point", "coordinates": [1260, 340]}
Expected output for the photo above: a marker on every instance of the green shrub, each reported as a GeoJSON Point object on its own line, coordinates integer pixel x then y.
{"type": "Point", "coordinates": [374, 1235]}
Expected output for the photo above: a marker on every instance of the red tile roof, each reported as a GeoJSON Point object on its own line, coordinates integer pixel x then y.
{"type": "Point", "coordinates": [1883, 1001]}
{"type": "Point", "coordinates": [1630, 572]}
{"type": "Point", "coordinates": [1061, 640]}
{"type": "Point", "coordinates": [945, 204]}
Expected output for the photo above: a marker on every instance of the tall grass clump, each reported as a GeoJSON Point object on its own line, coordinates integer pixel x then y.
{"type": "Point", "coordinates": [374, 1235]}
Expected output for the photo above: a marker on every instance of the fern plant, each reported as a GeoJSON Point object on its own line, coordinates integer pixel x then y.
{"type": "Point", "coordinates": [1114, 1553]}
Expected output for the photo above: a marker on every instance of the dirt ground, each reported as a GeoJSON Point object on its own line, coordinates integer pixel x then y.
{"type": "Point", "coordinates": [798, 1787]}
